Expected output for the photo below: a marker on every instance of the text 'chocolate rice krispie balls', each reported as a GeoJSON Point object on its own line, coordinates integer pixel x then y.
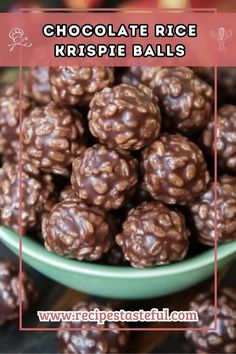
{"type": "Point", "coordinates": [103, 177]}
{"type": "Point", "coordinates": [36, 84]}
{"type": "Point", "coordinates": [84, 341]}
{"type": "Point", "coordinates": [223, 339]}
{"type": "Point", "coordinates": [76, 85]}
{"type": "Point", "coordinates": [9, 122]}
{"type": "Point", "coordinates": [174, 169]}
{"type": "Point", "coordinates": [75, 230]}
{"type": "Point", "coordinates": [203, 211]}
{"type": "Point", "coordinates": [125, 116]}
{"type": "Point", "coordinates": [185, 100]}
{"type": "Point", "coordinates": [226, 138]}
{"type": "Point", "coordinates": [10, 292]}
{"type": "Point", "coordinates": [52, 138]}
{"type": "Point", "coordinates": [153, 234]}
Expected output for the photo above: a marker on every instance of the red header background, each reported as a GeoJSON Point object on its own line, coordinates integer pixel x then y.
{"type": "Point", "coordinates": [203, 50]}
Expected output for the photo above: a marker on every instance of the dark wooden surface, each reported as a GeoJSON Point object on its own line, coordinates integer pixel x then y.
{"type": "Point", "coordinates": [55, 296]}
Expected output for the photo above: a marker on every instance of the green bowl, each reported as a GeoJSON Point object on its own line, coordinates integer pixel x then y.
{"type": "Point", "coordinates": [119, 282]}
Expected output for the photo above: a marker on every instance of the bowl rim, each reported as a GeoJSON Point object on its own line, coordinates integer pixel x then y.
{"type": "Point", "coordinates": [36, 251]}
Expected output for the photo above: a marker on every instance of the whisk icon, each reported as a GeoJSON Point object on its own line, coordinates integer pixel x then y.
{"type": "Point", "coordinates": [221, 37]}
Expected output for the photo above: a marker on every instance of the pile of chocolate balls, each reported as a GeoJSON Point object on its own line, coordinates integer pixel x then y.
{"type": "Point", "coordinates": [118, 162]}
{"type": "Point", "coordinates": [117, 166]}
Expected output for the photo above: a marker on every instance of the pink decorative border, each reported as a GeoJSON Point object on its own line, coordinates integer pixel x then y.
{"type": "Point", "coordinates": [21, 328]}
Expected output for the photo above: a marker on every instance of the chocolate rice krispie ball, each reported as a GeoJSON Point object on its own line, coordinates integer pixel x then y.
{"type": "Point", "coordinates": [125, 116]}
{"type": "Point", "coordinates": [36, 84]}
{"type": "Point", "coordinates": [174, 169]}
{"type": "Point", "coordinates": [10, 292]}
{"type": "Point", "coordinates": [34, 197]}
{"type": "Point", "coordinates": [153, 234]}
{"type": "Point", "coordinates": [186, 101]}
{"type": "Point", "coordinates": [52, 138]}
{"type": "Point", "coordinates": [75, 230]}
{"type": "Point", "coordinates": [76, 85]}
{"type": "Point", "coordinates": [226, 138]}
{"type": "Point", "coordinates": [104, 177]}
{"type": "Point", "coordinates": [135, 75]}
{"type": "Point", "coordinates": [223, 339]}
{"type": "Point", "coordinates": [9, 122]}
{"type": "Point", "coordinates": [203, 212]}
{"type": "Point", "coordinates": [84, 341]}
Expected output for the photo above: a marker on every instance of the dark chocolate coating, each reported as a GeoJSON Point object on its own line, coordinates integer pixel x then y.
{"type": "Point", "coordinates": [226, 138]}
{"type": "Point", "coordinates": [76, 85]}
{"type": "Point", "coordinates": [125, 116]}
{"type": "Point", "coordinates": [35, 196]}
{"type": "Point", "coordinates": [103, 177]}
{"type": "Point", "coordinates": [94, 341]}
{"type": "Point", "coordinates": [174, 168]}
{"type": "Point", "coordinates": [153, 234]}
{"type": "Point", "coordinates": [52, 138]}
{"type": "Point", "coordinates": [185, 100]}
{"type": "Point", "coordinates": [10, 292]}
{"type": "Point", "coordinates": [222, 340]}
{"type": "Point", "coordinates": [36, 84]}
{"type": "Point", "coordinates": [135, 75]}
{"type": "Point", "coordinates": [68, 193]}
{"type": "Point", "coordinates": [203, 211]}
{"type": "Point", "coordinates": [75, 230]}
{"type": "Point", "coordinates": [9, 122]}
